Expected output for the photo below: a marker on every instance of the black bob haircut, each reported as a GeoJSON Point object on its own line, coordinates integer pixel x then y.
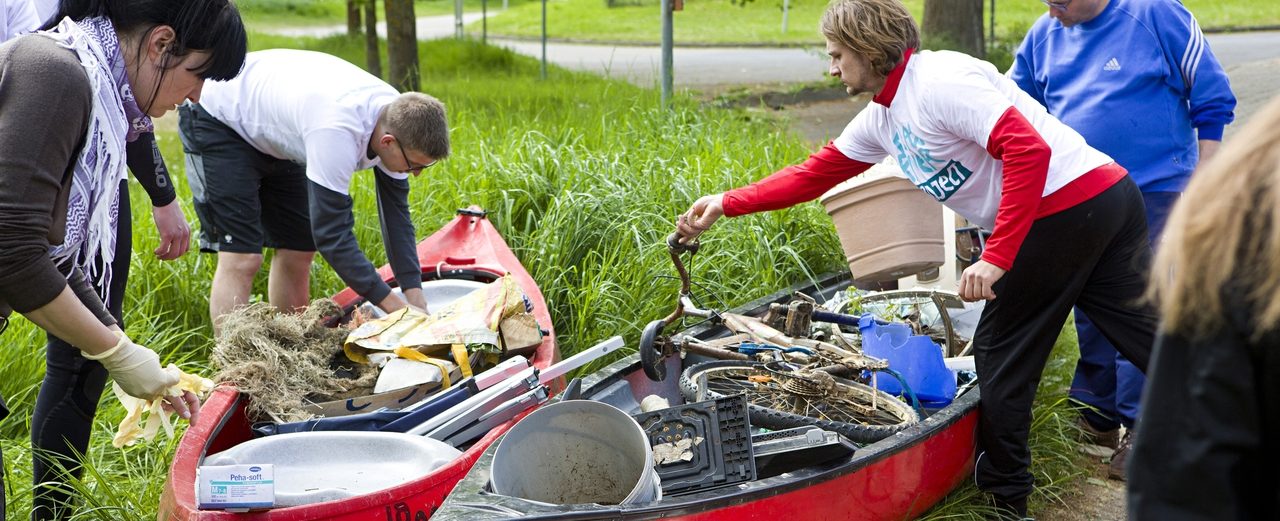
{"type": "Point", "coordinates": [213, 26]}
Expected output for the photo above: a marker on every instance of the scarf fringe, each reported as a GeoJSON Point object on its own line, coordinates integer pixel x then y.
{"type": "Point", "coordinates": [93, 206]}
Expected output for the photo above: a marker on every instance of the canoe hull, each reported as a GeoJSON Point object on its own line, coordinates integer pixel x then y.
{"type": "Point", "coordinates": [897, 478]}
{"type": "Point", "coordinates": [469, 247]}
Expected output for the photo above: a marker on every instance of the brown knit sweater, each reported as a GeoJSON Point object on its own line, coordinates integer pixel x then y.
{"type": "Point", "coordinates": [45, 102]}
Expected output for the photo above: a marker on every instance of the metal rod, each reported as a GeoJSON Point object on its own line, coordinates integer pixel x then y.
{"type": "Point", "coordinates": [786, 6]}
{"type": "Point", "coordinates": [688, 308]}
{"type": "Point", "coordinates": [457, 19]}
{"type": "Point", "coordinates": [667, 59]}
{"type": "Point", "coordinates": [992, 39]}
{"type": "Point", "coordinates": [544, 39]}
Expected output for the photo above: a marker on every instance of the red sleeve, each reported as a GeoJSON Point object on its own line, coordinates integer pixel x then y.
{"type": "Point", "coordinates": [794, 184]}
{"type": "Point", "coordinates": [1026, 166]}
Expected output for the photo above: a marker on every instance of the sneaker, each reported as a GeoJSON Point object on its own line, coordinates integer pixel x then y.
{"type": "Point", "coordinates": [1120, 460]}
{"type": "Point", "coordinates": [1088, 434]}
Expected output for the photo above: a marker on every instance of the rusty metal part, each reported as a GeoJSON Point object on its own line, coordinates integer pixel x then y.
{"type": "Point", "coordinates": [675, 248]}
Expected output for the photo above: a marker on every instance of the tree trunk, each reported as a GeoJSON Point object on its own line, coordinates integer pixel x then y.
{"type": "Point", "coordinates": [353, 17]}
{"type": "Point", "coordinates": [955, 25]}
{"type": "Point", "coordinates": [372, 55]}
{"type": "Point", "coordinates": [402, 45]}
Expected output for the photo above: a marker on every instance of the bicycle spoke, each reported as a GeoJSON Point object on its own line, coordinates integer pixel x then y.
{"type": "Point", "coordinates": [844, 404]}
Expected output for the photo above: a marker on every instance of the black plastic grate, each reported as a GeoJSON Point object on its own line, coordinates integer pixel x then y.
{"type": "Point", "coordinates": [706, 444]}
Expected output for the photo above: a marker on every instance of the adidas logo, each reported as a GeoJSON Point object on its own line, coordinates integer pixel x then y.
{"type": "Point", "coordinates": [1113, 65]}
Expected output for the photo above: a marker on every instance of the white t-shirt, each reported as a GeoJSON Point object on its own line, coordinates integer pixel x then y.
{"type": "Point", "coordinates": [45, 9]}
{"type": "Point", "coordinates": [938, 125]}
{"type": "Point", "coordinates": [304, 106]}
{"type": "Point", "coordinates": [17, 17]}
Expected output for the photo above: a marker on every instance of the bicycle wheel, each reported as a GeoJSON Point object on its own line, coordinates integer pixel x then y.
{"type": "Point", "coordinates": [783, 399]}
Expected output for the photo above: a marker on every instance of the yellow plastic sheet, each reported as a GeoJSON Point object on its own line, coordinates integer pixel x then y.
{"type": "Point", "coordinates": [144, 418]}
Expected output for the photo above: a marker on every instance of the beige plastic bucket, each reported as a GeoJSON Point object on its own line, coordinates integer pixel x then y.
{"type": "Point", "coordinates": [888, 228]}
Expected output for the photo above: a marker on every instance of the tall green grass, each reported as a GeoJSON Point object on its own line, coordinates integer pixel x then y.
{"type": "Point", "coordinates": [581, 175]}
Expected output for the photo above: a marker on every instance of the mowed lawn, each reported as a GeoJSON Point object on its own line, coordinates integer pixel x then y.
{"type": "Point", "coordinates": [760, 21]}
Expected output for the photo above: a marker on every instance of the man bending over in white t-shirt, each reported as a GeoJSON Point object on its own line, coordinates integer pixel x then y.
{"type": "Point", "coordinates": [271, 155]}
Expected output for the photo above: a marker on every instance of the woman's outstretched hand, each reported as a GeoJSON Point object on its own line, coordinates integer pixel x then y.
{"type": "Point", "coordinates": [700, 217]}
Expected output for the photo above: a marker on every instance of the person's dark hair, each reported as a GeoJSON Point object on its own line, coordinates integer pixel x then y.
{"type": "Point", "coordinates": [213, 26]}
{"type": "Point", "coordinates": [418, 121]}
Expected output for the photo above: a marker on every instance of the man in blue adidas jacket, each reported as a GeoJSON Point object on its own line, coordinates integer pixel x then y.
{"type": "Point", "coordinates": [1136, 78]}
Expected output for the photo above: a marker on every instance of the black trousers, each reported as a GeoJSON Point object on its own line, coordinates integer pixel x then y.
{"type": "Point", "coordinates": [1095, 256]}
{"type": "Point", "coordinates": [63, 417]}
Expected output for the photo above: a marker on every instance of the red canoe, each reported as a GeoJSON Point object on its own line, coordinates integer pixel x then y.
{"type": "Point", "coordinates": [897, 478]}
{"type": "Point", "coordinates": [468, 248]}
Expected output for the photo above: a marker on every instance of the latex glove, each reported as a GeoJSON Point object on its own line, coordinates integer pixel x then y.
{"type": "Point", "coordinates": [700, 217]}
{"type": "Point", "coordinates": [137, 369]}
{"type": "Point", "coordinates": [175, 233]}
{"type": "Point", "coordinates": [144, 419]}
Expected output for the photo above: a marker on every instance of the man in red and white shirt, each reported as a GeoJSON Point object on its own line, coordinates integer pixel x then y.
{"type": "Point", "coordinates": [1067, 222]}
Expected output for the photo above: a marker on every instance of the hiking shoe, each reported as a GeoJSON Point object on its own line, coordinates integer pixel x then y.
{"type": "Point", "coordinates": [1088, 434]}
{"type": "Point", "coordinates": [1120, 460]}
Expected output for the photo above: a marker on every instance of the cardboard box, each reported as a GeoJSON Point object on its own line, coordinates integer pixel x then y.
{"type": "Point", "coordinates": [393, 399]}
{"type": "Point", "coordinates": [520, 334]}
{"type": "Point", "coordinates": [235, 487]}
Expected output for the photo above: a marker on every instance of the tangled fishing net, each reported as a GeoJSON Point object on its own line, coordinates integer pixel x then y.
{"type": "Point", "coordinates": [284, 360]}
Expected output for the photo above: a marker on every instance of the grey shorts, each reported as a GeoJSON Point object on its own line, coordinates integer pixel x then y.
{"type": "Point", "coordinates": [245, 200]}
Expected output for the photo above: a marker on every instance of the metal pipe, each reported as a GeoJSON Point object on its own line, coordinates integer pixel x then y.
{"type": "Point", "coordinates": [667, 54]}
{"type": "Point", "coordinates": [544, 39]}
{"type": "Point", "coordinates": [786, 7]}
{"type": "Point", "coordinates": [689, 309]}
{"type": "Point", "coordinates": [457, 19]}
{"type": "Point", "coordinates": [992, 39]}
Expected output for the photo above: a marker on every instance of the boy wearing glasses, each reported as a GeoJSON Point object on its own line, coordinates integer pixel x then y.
{"type": "Point", "coordinates": [1136, 78]}
{"type": "Point", "coordinates": [271, 156]}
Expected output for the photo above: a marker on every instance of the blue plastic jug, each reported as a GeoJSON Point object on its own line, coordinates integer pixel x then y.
{"type": "Point", "coordinates": [916, 357]}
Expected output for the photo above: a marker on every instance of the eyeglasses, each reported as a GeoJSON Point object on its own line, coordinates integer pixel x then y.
{"type": "Point", "coordinates": [1061, 6]}
{"type": "Point", "coordinates": [409, 163]}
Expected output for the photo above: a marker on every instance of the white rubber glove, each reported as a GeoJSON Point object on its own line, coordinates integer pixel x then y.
{"type": "Point", "coordinates": [137, 369]}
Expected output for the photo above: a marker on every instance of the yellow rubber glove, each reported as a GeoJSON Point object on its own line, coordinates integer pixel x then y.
{"type": "Point", "coordinates": [137, 369]}
{"type": "Point", "coordinates": [145, 418]}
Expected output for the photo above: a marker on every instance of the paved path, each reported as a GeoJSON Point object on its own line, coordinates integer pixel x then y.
{"type": "Point", "coordinates": [429, 27]}
{"type": "Point", "coordinates": [698, 67]}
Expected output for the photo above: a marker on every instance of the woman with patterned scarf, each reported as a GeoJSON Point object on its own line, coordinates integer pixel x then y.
{"type": "Point", "coordinates": [71, 98]}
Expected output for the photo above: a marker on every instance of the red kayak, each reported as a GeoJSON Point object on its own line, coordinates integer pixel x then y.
{"type": "Point", "coordinates": [469, 248]}
{"type": "Point", "coordinates": [898, 477]}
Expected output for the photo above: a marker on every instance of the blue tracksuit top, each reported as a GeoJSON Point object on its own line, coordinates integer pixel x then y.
{"type": "Point", "coordinates": [1138, 82]}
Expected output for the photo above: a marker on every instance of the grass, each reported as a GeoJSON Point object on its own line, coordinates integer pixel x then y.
{"type": "Point", "coordinates": [581, 175]}
{"type": "Point", "coordinates": [760, 21]}
{"type": "Point", "coordinates": [263, 14]}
